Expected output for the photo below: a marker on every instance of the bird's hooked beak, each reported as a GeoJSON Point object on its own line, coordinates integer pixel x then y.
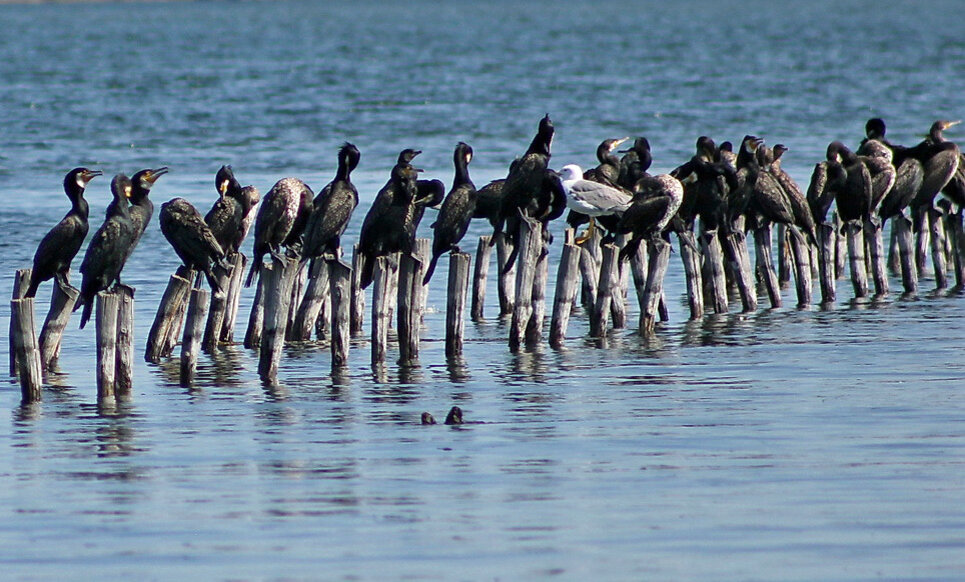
{"type": "Point", "coordinates": [619, 143]}
{"type": "Point", "coordinates": [89, 175]}
{"type": "Point", "coordinates": [156, 173]}
{"type": "Point", "coordinates": [948, 124]}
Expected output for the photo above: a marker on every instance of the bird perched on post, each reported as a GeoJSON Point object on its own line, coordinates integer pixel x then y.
{"type": "Point", "coordinates": [457, 210]}
{"type": "Point", "coordinates": [60, 245]}
{"type": "Point", "coordinates": [591, 198]}
{"type": "Point", "coordinates": [282, 214]}
{"type": "Point", "coordinates": [183, 226]}
{"type": "Point", "coordinates": [656, 200]}
{"type": "Point", "coordinates": [333, 208]}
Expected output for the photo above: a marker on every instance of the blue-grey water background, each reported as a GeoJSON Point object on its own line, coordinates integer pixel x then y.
{"type": "Point", "coordinates": [781, 445]}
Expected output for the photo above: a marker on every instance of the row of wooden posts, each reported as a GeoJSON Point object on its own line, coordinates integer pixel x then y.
{"type": "Point", "coordinates": [291, 302]}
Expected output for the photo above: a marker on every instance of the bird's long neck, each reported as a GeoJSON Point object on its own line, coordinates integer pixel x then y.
{"type": "Point", "coordinates": [462, 171]}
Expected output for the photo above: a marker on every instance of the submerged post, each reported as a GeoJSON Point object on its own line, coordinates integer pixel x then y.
{"type": "Point", "coordinates": [316, 292]}
{"type": "Point", "coordinates": [600, 315]}
{"type": "Point", "coordinates": [567, 280]}
{"type": "Point", "coordinates": [217, 309]}
{"type": "Point", "coordinates": [691, 261]}
{"type": "Point", "coordinates": [765, 265]}
{"type": "Point", "coordinates": [939, 259]}
{"type": "Point", "coordinates": [530, 245]}
{"type": "Point", "coordinates": [169, 311]}
{"type": "Point", "coordinates": [61, 305]}
{"type": "Point", "coordinates": [106, 329]}
{"type": "Point", "coordinates": [256, 319]}
{"type": "Point", "coordinates": [735, 245]}
{"type": "Point", "coordinates": [279, 280]}
{"type": "Point", "coordinates": [906, 253]}
{"type": "Point", "coordinates": [801, 254]}
{"type": "Point", "coordinates": [124, 366]}
{"type": "Point", "coordinates": [859, 272]}
{"type": "Point", "coordinates": [358, 294]}
{"type": "Point", "coordinates": [659, 258]}
{"type": "Point", "coordinates": [507, 278]}
{"type": "Point", "coordinates": [381, 306]}
{"type": "Point", "coordinates": [24, 349]}
{"type": "Point", "coordinates": [21, 281]}
{"type": "Point", "coordinates": [409, 291]}
{"type": "Point", "coordinates": [193, 330]}
{"type": "Point", "coordinates": [480, 275]}
{"type": "Point", "coordinates": [716, 278]}
{"type": "Point", "coordinates": [876, 254]}
{"type": "Point", "coordinates": [458, 284]}
{"type": "Point", "coordinates": [238, 261]}
{"type": "Point", "coordinates": [340, 291]}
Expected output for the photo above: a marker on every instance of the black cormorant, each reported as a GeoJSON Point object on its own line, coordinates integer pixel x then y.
{"type": "Point", "coordinates": [183, 226]}
{"type": "Point", "coordinates": [634, 163]}
{"type": "Point", "coordinates": [333, 208]}
{"type": "Point", "coordinates": [457, 210]}
{"type": "Point", "coordinates": [277, 218]}
{"type": "Point", "coordinates": [827, 179]}
{"type": "Point", "coordinates": [387, 227]}
{"type": "Point", "coordinates": [142, 209]}
{"type": "Point", "coordinates": [524, 184]}
{"type": "Point", "coordinates": [108, 249]}
{"type": "Point", "coordinates": [225, 217]}
{"type": "Point", "coordinates": [803, 218]}
{"type": "Point", "coordinates": [60, 245]}
{"type": "Point", "coordinates": [656, 200]}
{"type": "Point", "coordinates": [940, 159]}
{"type": "Point", "coordinates": [489, 199]}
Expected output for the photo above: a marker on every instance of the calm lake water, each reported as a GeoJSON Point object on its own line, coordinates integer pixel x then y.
{"type": "Point", "coordinates": [780, 445]}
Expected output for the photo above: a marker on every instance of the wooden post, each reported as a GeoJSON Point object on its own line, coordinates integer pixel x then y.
{"type": "Point", "coordinates": [21, 282]}
{"type": "Point", "coordinates": [922, 240]}
{"type": "Point", "coordinates": [217, 309]}
{"type": "Point", "coordinates": [279, 280]}
{"type": "Point", "coordinates": [480, 274]}
{"type": "Point", "coordinates": [381, 307]}
{"type": "Point", "coordinates": [458, 284]}
{"type": "Point", "coordinates": [765, 265]}
{"type": "Point", "coordinates": [316, 291]}
{"type": "Point", "coordinates": [25, 352]}
{"type": "Point", "coordinates": [783, 256]}
{"type": "Point", "coordinates": [124, 364]}
{"type": "Point", "coordinates": [423, 252]}
{"type": "Point", "coordinates": [530, 245]}
{"type": "Point", "coordinates": [567, 279]}
{"type": "Point", "coordinates": [876, 254]}
{"type": "Point", "coordinates": [590, 265]}
{"type": "Point", "coordinates": [735, 246]}
{"type": "Point", "coordinates": [408, 321]}
{"type": "Point", "coordinates": [894, 255]}
{"type": "Point", "coordinates": [506, 281]}
{"type": "Point", "coordinates": [618, 299]}
{"type": "Point", "coordinates": [716, 279]}
{"type": "Point", "coordinates": [298, 284]}
{"type": "Point", "coordinates": [827, 253]}
{"type": "Point", "coordinates": [534, 329]}
{"type": "Point", "coordinates": [859, 273]}
{"type": "Point", "coordinates": [61, 305]}
{"type": "Point", "coordinates": [599, 316]}
{"type": "Point", "coordinates": [801, 253]}
{"type": "Point", "coordinates": [691, 260]}
{"type": "Point", "coordinates": [340, 291]}
{"type": "Point", "coordinates": [906, 253]}
{"type": "Point", "coordinates": [169, 311]}
{"type": "Point", "coordinates": [236, 282]}
{"type": "Point", "coordinates": [841, 247]}
{"type": "Point", "coordinates": [358, 294]}
{"type": "Point", "coordinates": [256, 318]}
{"type": "Point", "coordinates": [106, 324]}
{"type": "Point", "coordinates": [659, 258]}
{"type": "Point", "coordinates": [939, 259]}
{"type": "Point", "coordinates": [953, 226]}
{"type": "Point", "coordinates": [193, 329]}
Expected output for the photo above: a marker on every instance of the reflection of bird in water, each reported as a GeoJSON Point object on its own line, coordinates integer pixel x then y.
{"type": "Point", "coordinates": [656, 200]}
{"type": "Point", "coordinates": [333, 208]}
{"type": "Point", "coordinates": [590, 198]}
{"type": "Point", "coordinates": [184, 227]}
{"type": "Point", "coordinates": [388, 225]}
{"type": "Point", "coordinates": [456, 212]}
{"type": "Point", "coordinates": [109, 248]}
{"type": "Point", "coordinates": [278, 219]}
{"type": "Point", "coordinates": [60, 245]}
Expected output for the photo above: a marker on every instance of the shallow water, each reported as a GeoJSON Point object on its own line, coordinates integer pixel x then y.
{"type": "Point", "coordinates": [781, 445]}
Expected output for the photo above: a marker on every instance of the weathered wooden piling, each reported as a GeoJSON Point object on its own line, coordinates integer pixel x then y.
{"type": "Point", "coordinates": [106, 331]}
{"type": "Point", "coordinates": [906, 253]}
{"type": "Point", "coordinates": [194, 325]}
{"type": "Point", "coordinates": [238, 262]}
{"type": "Point", "coordinates": [530, 247]}
{"type": "Point", "coordinates": [480, 275]}
{"type": "Point", "coordinates": [567, 281]}
{"type": "Point", "coordinates": [24, 349]}
{"type": "Point", "coordinates": [299, 282]}
{"type": "Point", "coordinates": [256, 318]}
{"type": "Point", "coordinates": [279, 279]}
{"type": "Point", "coordinates": [600, 314]}
{"type": "Point", "coordinates": [58, 316]}
{"type": "Point", "coordinates": [124, 353]}
{"type": "Point", "coordinates": [456, 288]}
{"type": "Point", "coordinates": [859, 272]}
{"type": "Point", "coordinates": [217, 308]}
{"type": "Point", "coordinates": [735, 248]}
{"type": "Point", "coordinates": [783, 256]}
{"type": "Point", "coordinates": [21, 281]}
{"type": "Point", "coordinates": [316, 292]}
{"type": "Point", "coordinates": [408, 322]}
{"type": "Point", "coordinates": [618, 300]}
{"type": "Point", "coordinates": [894, 258]}
{"type": "Point", "coordinates": [922, 240]}
{"type": "Point", "coordinates": [716, 280]}
{"type": "Point", "coordinates": [658, 259]}
{"type": "Point", "coordinates": [589, 278]}
{"type": "Point", "coordinates": [340, 291]}
{"type": "Point", "coordinates": [841, 247]}
{"type": "Point", "coordinates": [801, 255]}
{"type": "Point", "coordinates": [691, 260]}
{"type": "Point", "coordinates": [939, 259]}
{"type": "Point", "coordinates": [381, 306]}
{"type": "Point", "coordinates": [827, 258]}
{"type": "Point", "coordinates": [953, 227]}
{"type": "Point", "coordinates": [170, 312]}
{"type": "Point", "coordinates": [765, 265]}
{"type": "Point", "coordinates": [507, 278]}
{"type": "Point", "coordinates": [423, 252]}
{"type": "Point", "coordinates": [358, 294]}
{"type": "Point", "coordinates": [534, 329]}
{"type": "Point", "coordinates": [876, 254]}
